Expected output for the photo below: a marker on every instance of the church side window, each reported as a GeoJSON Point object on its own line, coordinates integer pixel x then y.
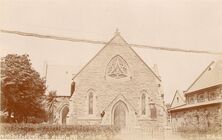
{"type": "Point", "coordinates": [117, 68]}
{"type": "Point", "coordinates": [143, 104]}
{"type": "Point", "coordinates": [90, 103]}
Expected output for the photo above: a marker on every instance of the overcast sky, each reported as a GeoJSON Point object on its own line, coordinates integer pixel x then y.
{"type": "Point", "coordinates": [185, 24]}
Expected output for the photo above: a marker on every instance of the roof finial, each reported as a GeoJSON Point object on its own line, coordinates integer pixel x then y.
{"type": "Point", "coordinates": [117, 31]}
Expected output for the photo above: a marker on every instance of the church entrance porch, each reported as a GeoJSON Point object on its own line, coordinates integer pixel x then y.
{"type": "Point", "coordinates": [61, 116]}
{"type": "Point", "coordinates": [120, 112]}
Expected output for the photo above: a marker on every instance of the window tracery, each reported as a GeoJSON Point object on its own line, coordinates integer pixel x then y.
{"type": "Point", "coordinates": [117, 68]}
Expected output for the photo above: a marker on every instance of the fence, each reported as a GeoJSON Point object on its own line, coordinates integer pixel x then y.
{"type": "Point", "coordinates": [164, 134]}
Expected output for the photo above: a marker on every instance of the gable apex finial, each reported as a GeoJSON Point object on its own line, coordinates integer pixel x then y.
{"type": "Point", "coordinates": [117, 31]}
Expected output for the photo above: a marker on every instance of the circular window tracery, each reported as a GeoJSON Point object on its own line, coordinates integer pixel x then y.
{"type": "Point", "coordinates": [117, 68]}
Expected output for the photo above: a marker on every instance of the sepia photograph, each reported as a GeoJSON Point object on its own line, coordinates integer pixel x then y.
{"type": "Point", "coordinates": [111, 69]}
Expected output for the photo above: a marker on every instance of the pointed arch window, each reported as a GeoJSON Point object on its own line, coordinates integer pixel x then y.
{"type": "Point", "coordinates": [117, 68]}
{"type": "Point", "coordinates": [91, 103]}
{"type": "Point", "coordinates": [143, 104]}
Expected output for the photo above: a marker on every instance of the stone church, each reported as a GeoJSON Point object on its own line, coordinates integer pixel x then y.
{"type": "Point", "coordinates": [116, 87]}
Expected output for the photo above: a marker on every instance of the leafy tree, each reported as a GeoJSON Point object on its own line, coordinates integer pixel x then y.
{"type": "Point", "coordinates": [22, 88]}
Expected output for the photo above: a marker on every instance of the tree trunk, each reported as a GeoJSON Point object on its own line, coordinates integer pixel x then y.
{"type": "Point", "coordinates": [15, 117]}
{"type": "Point", "coordinates": [9, 116]}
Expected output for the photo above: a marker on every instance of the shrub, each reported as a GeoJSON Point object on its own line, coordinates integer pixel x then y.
{"type": "Point", "coordinates": [80, 131]}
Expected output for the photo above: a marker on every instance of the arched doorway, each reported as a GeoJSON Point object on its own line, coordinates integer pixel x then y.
{"type": "Point", "coordinates": [120, 114]}
{"type": "Point", "coordinates": [64, 114]}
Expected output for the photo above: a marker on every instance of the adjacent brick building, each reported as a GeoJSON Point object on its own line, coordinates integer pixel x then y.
{"type": "Point", "coordinates": [203, 104]}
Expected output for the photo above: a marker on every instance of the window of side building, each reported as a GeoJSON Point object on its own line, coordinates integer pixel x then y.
{"type": "Point", "coordinates": [220, 93]}
{"type": "Point", "coordinates": [211, 95]}
{"type": "Point", "coordinates": [191, 101]}
{"type": "Point", "coordinates": [200, 98]}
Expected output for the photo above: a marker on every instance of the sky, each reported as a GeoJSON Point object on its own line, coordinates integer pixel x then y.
{"type": "Point", "coordinates": [184, 24]}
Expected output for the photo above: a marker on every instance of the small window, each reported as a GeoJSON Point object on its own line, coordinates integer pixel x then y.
{"type": "Point", "coordinates": [212, 96]}
{"type": "Point", "coordinates": [201, 98]}
{"type": "Point", "coordinates": [90, 103]}
{"type": "Point", "coordinates": [191, 100]}
{"type": "Point", "coordinates": [221, 92]}
{"type": "Point", "coordinates": [143, 104]}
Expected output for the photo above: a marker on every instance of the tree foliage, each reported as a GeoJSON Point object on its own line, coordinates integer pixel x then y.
{"type": "Point", "coordinates": [22, 88]}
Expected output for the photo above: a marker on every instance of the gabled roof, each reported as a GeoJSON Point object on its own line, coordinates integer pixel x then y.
{"type": "Point", "coordinates": [179, 94]}
{"type": "Point", "coordinates": [211, 76]}
{"type": "Point", "coordinates": [117, 38]}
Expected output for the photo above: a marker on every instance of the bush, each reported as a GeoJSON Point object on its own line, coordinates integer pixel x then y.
{"type": "Point", "coordinates": [196, 132]}
{"type": "Point", "coordinates": [80, 131]}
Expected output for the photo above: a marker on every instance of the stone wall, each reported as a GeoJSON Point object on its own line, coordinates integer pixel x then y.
{"type": "Point", "coordinates": [108, 91]}
{"type": "Point", "coordinates": [197, 118]}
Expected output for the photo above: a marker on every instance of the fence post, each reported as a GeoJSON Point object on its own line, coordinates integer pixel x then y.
{"type": "Point", "coordinates": [163, 134]}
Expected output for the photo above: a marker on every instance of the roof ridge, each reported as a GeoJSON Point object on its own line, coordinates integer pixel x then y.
{"type": "Point", "coordinates": [177, 92]}
{"type": "Point", "coordinates": [173, 98]}
{"type": "Point", "coordinates": [200, 76]}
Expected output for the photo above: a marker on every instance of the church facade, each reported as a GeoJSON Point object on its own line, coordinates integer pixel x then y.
{"type": "Point", "coordinates": [116, 87]}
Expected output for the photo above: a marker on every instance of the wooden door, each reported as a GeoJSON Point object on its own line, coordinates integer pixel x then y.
{"type": "Point", "coordinates": [120, 115]}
